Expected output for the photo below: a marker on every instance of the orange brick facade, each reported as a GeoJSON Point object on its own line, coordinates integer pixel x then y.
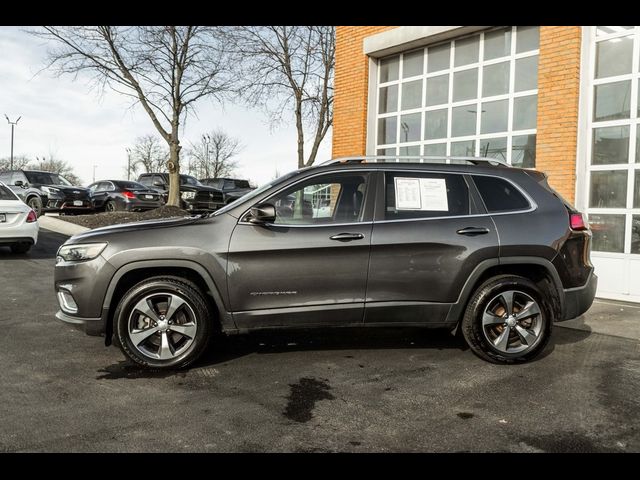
{"type": "Point", "coordinates": [351, 90]}
{"type": "Point", "coordinates": [558, 93]}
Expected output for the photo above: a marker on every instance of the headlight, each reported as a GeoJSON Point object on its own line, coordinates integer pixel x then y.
{"type": "Point", "coordinates": [50, 189]}
{"type": "Point", "coordinates": [81, 251]}
{"type": "Point", "coordinates": [188, 195]}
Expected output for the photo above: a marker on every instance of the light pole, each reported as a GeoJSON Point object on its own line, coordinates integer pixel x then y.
{"type": "Point", "coordinates": [128, 163]}
{"type": "Point", "coordinates": [94, 173]}
{"type": "Point", "coordinates": [206, 139]}
{"type": "Point", "coordinates": [13, 124]}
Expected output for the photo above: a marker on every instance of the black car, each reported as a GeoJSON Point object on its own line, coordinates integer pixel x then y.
{"type": "Point", "coordinates": [61, 195]}
{"type": "Point", "coordinates": [32, 196]}
{"type": "Point", "coordinates": [232, 188]}
{"type": "Point", "coordinates": [117, 195]}
{"type": "Point", "coordinates": [194, 196]}
{"type": "Point", "coordinates": [482, 248]}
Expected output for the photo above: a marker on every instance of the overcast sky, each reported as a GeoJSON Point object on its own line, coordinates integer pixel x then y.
{"type": "Point", "coordinates": [64, 117]}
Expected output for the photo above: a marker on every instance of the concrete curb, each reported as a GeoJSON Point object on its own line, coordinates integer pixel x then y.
{"type": "Point", "coordinates": [60, 226]}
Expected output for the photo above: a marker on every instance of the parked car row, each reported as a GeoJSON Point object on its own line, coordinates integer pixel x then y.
{"type": "Point", "coordinates": [50, 192]}
{"type": "Point", "coordinates": [18, 222]}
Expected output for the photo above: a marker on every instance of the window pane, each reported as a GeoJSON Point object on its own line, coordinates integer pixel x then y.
{"type": "Point", "coordinates": [523, 151]}
{"type": "Point", "coordinates": [410, 128]}
{"type": "Point", "coordinates": [614, 57]}
{"type": "Point", "coordinates": [437, 90]}
{"type": "Point", "coordinates": [465, 85]}
{"type": "Point", "coordinates": [608, 189]}
{"type": "Point", "coordinates": [412, 64]}
{"type": "Point", "coordinates": [607, 30]}
{"type": "Point", "coordinates": [389, 69]}
{"type": "Point", "coordinates": [636, 189]}
{"type": "Point", "coordinates": [463, 149]}
{"type": "Point", "coordinates": [612, 101]}
{"type": "Point", "coordinates": [499, 195]}
{"type": "Point", "coordinates": [635, 234]}
{"type": "Point", "coordinates": [610, 145]}
{"type": "Point", "coordinates": [388, 99]}
{"type": "Point", "coordinates": [527, 38]}
{"type": "Point", "coordinates": [412, 150]}
{"type": "Point", "coordinates": [494, 148]}
{"type": "Point", "coordinates": [494, 116]}
{"type": "Point", "coordinates": [525, 112]}
{"type": "Point", "coordinates": [387, 130]}
{"type": "Point", "coordinates": [497, 44]}
{"type": "Point", "coordinates": [435, 124]}
{"type": "Point", "coordinates": [608, 232]}
{"type": "Point", "coordinates": [638, 143]}
{"type": "Point", "coordinates": [463, 120]}
{"type": "Point", "coordinates": [526, 74]}
{"type": "Point", "coordinates": [436, 149]}
{"type": "Point", "coordinates": [466, 51]}
{"type": "Point", "coordinates": [438, 57]}
{"type": "Point", "coordinates": [495, 79]}
{"type": "Point", "coordinates": [412, 95]}
{"type": "Point", "coordinates": [387, 151]}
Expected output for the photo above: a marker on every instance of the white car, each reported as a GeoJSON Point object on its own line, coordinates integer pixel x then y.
{"type": "Point", "coordinates": [18, 222]}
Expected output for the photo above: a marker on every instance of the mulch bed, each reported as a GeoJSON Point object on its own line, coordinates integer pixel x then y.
{"type": "Point", "coordinates": [98, 220]}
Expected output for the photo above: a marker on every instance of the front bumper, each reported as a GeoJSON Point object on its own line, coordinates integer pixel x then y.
{"type": "Point", "coordinates": [65, 205]}
{"type": "Point", "coordinates": [91, 326]}
{"type": "Point", "coordinates": [578, 300]}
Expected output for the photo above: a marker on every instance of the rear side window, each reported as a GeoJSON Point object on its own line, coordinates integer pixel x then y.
{"type": "Point", "coordinates": [424, 195]}
{"type": "Point", "coordinates": [500, 195]}
{"type": "Point", "coordinates": [6, 193]}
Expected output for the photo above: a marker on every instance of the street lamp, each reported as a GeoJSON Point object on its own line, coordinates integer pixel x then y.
{"type": "Point", "coordinates": [13, 124]}
{"type": "Point", "coordinates": [206, 139]}
{"type": "Point", "coordinates": [128, 163]}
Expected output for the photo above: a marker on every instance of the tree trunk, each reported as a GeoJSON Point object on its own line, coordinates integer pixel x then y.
{"type": "Point", "coordinates": [173, 166]}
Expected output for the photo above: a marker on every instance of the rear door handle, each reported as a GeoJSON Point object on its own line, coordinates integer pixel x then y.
{"type": "Point", "coordinates": [473, 231]}
{"type": "Point", "coordinates": [347, 237]}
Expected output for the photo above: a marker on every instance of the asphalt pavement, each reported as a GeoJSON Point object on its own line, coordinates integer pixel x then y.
{"type": "Point", "coordinates": [378, 390]}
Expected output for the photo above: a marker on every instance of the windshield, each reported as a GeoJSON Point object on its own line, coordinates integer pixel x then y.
{"type": "Point", "coordinates": [6, 193]}
{"type": "Point", "coordinates": [257, 192]}
{"type": "Point", "coordinates": [47, 178]}
{"type": "Point", "coordinates": [188, 180]}
{"type": "Point", "coordinates": [131, 185]}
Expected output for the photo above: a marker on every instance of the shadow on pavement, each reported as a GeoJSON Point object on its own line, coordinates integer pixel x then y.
{"type": "Point", "coordinates": [567, 335]}
{"type": "Point", "coordinates": [47, 247]}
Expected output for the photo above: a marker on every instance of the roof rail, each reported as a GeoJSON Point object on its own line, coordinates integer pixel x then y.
{"type": "Point", "coordinates": [414, 159]}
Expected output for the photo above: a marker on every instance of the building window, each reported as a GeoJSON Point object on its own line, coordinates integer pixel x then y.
{"type": "Point", "coordinates": [613, 178]}
{"type": "Point", "coordinates": [476, 95]}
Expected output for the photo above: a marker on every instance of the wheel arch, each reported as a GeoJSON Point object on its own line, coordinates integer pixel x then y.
{"type": "Point", "coordinates": [132, 273]}
{"type": "Point", "coordinates": [539, 270]}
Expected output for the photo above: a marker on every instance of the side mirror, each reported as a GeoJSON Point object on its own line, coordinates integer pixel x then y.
{"type": "Point", "coordinates": [262, 213]}
{"type": "Point", "coordinates": [19, 183]}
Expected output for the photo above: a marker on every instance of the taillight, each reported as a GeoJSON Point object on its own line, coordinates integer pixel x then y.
{"type": "Point", "coordinates": [578, 222]}
{"type": "Point", "coordinates": [128, 194]}
{"type": "Point", "coordinates": [31, 217]}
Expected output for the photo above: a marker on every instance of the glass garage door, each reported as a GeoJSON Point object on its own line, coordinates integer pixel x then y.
{"type": "Point", "coordinates": [613, 156]}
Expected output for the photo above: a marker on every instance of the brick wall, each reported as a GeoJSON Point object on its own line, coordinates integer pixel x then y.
{"type": "Point", "coordinates": [558, 94]}
{"type": "Point", "coordinates": [351, 90]}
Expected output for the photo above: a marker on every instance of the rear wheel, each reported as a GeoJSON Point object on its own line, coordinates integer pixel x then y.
{"type": "Point", "coordinates": [110, 206]}
{"type": "Point", "coordinates": [35, 203]}
{"type": "Point", "coordinates": [22, 247]}
{"type": "Point", "coordinates": [507, 320]}
{"type": "Point", "coordinates": [163, 322]}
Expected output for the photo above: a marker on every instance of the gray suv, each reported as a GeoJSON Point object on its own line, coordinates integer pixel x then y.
{"type": "Point", "coordinates": [465, 244]}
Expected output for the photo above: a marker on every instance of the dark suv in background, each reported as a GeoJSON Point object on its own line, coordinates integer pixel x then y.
{"type": "Point", "coordinates": [32, 196]}
{"type": "Point", "coordinates": [194, 196]}
{"type": "Point", "coordinates": [232, 188]}
{"type": "Point", "coordinates": [481, 248]}
{"type": "Point", "coordinates": [61, 195]}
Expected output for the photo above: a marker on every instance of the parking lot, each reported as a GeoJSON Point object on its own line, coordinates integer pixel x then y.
{"type": "Point", "coordinates": [344, 390]}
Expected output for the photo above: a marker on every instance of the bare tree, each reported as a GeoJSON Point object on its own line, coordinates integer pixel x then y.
{"type": "Point", "coordinates": [289, 69]}
{"type": "Point", "coordinates": [166, 69]}
{"type": "Point", "coordinates": [213, 155]}
{"type": "Point", "coordinates": [55, 165]}
{"type": "Point", "coordinates": [149, 155]}
{"type": "Point", "coordinates": [19, 162]}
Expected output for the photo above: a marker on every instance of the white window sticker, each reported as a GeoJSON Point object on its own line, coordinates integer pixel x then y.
{"type": "Point", "coordinates": [421, 194]}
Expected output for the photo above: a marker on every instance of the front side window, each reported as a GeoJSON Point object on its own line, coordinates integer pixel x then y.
{"type": "Point", "coordinates": [423, 195]}
{"type": "Point", "coordinates": [329, 199]}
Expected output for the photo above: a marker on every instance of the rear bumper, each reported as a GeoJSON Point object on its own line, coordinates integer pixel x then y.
{"type": "Point", "coordinates": [22, 233]}
{"type": "Point", "coordinates": [578, 300]}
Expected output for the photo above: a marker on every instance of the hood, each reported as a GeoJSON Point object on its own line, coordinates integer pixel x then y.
{"type": "Point", "coordinates": [94, 235]}
{"type": "Point", "coordinates": [66, 189]}
{"type": "Point", "coordinates": [198, 188]}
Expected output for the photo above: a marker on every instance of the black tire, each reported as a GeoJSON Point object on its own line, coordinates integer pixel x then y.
{"type": "Point", "coordinates": [487, 296]}
{"type": "Point", "coordinates": [35, 203]}
{"type": "Point", "coordinates": [21, 247]}
{"type": "Point", "coordinates": [198, 308]}
{"type": "Point", "coordinates": [110, 206]}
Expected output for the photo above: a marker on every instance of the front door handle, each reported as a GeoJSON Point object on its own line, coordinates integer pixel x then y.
{"type": "Point", "coordinates": [347, 237]}
{"type": "Point", "coordinates": [473, 231]}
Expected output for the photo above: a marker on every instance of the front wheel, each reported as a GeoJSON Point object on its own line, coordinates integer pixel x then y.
{"type": "Point", "coordinates": [36, 205]}
{"type": "Point", "coordinates": [163, 322]}
{"type": "Point", "coordinates": [507, 320]}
